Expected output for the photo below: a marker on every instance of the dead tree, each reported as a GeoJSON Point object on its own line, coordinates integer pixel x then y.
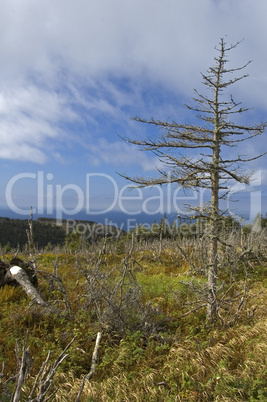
{"type": "Point", "coordinates": [19, 272]}
{"type": "Point", "coordinates": [43, 380]}
{"type": "Point", "coordinates": [23, 280]}
{"type": "Point", "coordinates": [210, 169]}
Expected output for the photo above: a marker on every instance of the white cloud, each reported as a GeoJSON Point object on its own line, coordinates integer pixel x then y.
{"type": "Point", "coordinates": [48, 47]}
{"type": "Point", "coordinates": [23, 152]}
{"type": "Point", "coordinates": [168, 42]}
{"type": "Point", "coordinates": [121, 155]}
{"type": "Point", "coordinates": [29, 122]}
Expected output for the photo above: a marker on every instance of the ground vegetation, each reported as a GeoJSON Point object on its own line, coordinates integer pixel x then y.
{"type": "Point", "coordinates": [146, 299]}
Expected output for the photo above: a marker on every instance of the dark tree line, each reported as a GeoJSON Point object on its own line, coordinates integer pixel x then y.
{"type": "Point", "coordinates": [46, 231]}
{"type": "Point", "coordinates": [14, 233]}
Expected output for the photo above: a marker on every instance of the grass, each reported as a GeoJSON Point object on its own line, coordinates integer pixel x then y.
{"type": "Point", "coordinates": [175, 360]}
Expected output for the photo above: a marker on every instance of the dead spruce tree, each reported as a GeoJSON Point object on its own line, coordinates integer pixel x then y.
{"type": "Point", "coordinates": [210, 169]}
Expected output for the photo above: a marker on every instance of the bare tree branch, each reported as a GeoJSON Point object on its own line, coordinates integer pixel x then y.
{"type": "Point", "coordinates": [93, 366]}
{"type": "Point", "coordinates": [212, 171]}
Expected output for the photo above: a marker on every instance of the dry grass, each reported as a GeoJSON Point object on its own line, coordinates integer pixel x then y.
{"type": "Point", "coordinates": [185, 360]}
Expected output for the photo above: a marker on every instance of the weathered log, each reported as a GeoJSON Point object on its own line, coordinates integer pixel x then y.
{"type": "Point", "coordinates": [9, 279]}
{"type": "Point", "coordinates": [22, 278]}
{"type": "Point", "coordinates": [28, 267]}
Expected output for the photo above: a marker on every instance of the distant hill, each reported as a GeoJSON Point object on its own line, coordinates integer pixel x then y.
{"type": "Point", "coordinates": [50, 231]}
{"type": "Point", "coordinates": [14, 233]}
{"type": "Point", "coordinates": [89, 229]}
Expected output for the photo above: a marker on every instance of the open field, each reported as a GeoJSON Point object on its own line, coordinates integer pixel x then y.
{"type": "Point", "coordinates": [147, 298]}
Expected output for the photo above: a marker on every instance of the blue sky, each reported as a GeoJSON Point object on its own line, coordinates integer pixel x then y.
{"type": "Point", "coordinates": [73, 73]}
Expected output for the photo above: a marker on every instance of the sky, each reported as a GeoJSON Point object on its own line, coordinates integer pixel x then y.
{"type": "Point", "coordinates": [73, 73]}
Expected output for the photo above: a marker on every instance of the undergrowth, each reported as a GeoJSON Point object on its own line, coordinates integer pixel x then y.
{"type": "Point", "coordinates": [151, 349]}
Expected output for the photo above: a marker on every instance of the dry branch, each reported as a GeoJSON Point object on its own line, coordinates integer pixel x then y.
{"type": "Point", "coordinates": [25, 365]}
{"type": "Point", "coordinates": [93, 366]}
{"type": "Point", "coordinates": [46, 375]}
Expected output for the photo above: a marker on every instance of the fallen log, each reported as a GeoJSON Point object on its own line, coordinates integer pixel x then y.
{"type": "Point", "coordinates": [23, 280]}
{"type": "Point", "coordinates": [27, 266]}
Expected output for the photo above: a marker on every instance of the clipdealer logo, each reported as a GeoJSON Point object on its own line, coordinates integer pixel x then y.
{"type": "Point", "coordinates": [51, 197]}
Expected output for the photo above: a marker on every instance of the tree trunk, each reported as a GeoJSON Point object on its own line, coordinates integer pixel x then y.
{"type": "Point", "coordinates": [213, 260]}
{"type": "Point", "coordinates": [22, 278]}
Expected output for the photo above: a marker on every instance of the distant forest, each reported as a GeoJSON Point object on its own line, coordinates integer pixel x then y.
{"type": "Point", "coordinates": [47, 231]}
{"type": "Point", "coordinates": [13, 232]}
